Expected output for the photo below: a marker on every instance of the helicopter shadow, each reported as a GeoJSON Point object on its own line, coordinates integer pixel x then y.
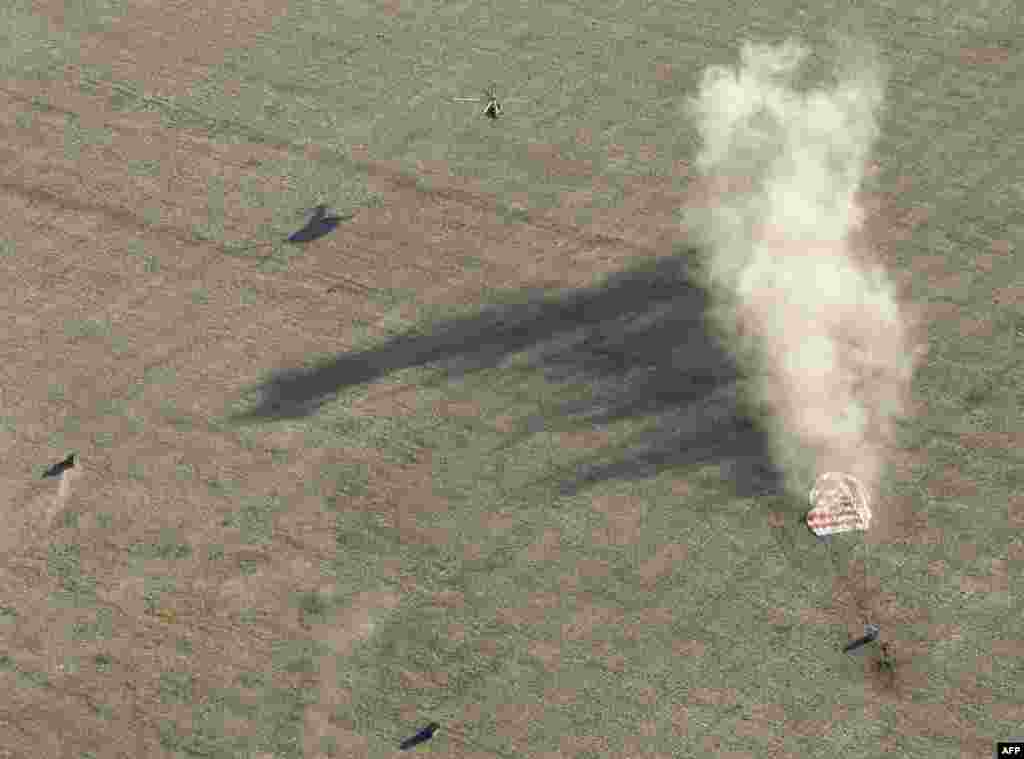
{"type": "Point", "coordinates": [318, 226]}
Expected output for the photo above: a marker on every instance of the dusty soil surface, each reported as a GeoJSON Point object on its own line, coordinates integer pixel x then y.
{"type": "Point", "coordinates": [72, 221]}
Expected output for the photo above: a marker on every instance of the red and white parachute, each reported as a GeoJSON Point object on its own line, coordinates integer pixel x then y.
{"type": "Point", "coordinates": [839, 503]}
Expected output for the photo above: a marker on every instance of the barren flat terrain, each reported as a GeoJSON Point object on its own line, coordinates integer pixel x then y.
{"type": "Point", "coordinates": [479, 455]}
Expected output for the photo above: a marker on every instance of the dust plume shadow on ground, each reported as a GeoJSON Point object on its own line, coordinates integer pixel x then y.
{"type": "Point", "coordinates": [639, 341]}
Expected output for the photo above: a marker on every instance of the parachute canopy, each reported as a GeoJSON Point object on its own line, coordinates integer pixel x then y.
{"type": "Point", "coordinates": [839, 503]}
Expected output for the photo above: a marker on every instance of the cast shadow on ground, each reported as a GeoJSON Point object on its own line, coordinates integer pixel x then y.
{"type": "Point", "coordinates": [639, 341]}
{"type": "Point", "coordinates": [320, 224]}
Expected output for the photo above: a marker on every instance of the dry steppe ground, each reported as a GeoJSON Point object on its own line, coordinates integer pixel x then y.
{"type": "Point", "coordinates": [499, 521]}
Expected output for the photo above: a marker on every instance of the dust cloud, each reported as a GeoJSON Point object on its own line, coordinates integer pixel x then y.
{"type": "Point", "coordinates": [815, 324]}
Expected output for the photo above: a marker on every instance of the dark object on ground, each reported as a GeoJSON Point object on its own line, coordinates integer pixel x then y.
{"type": "Point", "coordinates": [870, 635]}
{"type": "Point", "coordinates": [422, 736]}
{"type": "Point", "coordinates": [318, 226]}
{"type": "Point", "coordinates": [886, 664]}
{"type": "Point", "coordinates": [59, 468]}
